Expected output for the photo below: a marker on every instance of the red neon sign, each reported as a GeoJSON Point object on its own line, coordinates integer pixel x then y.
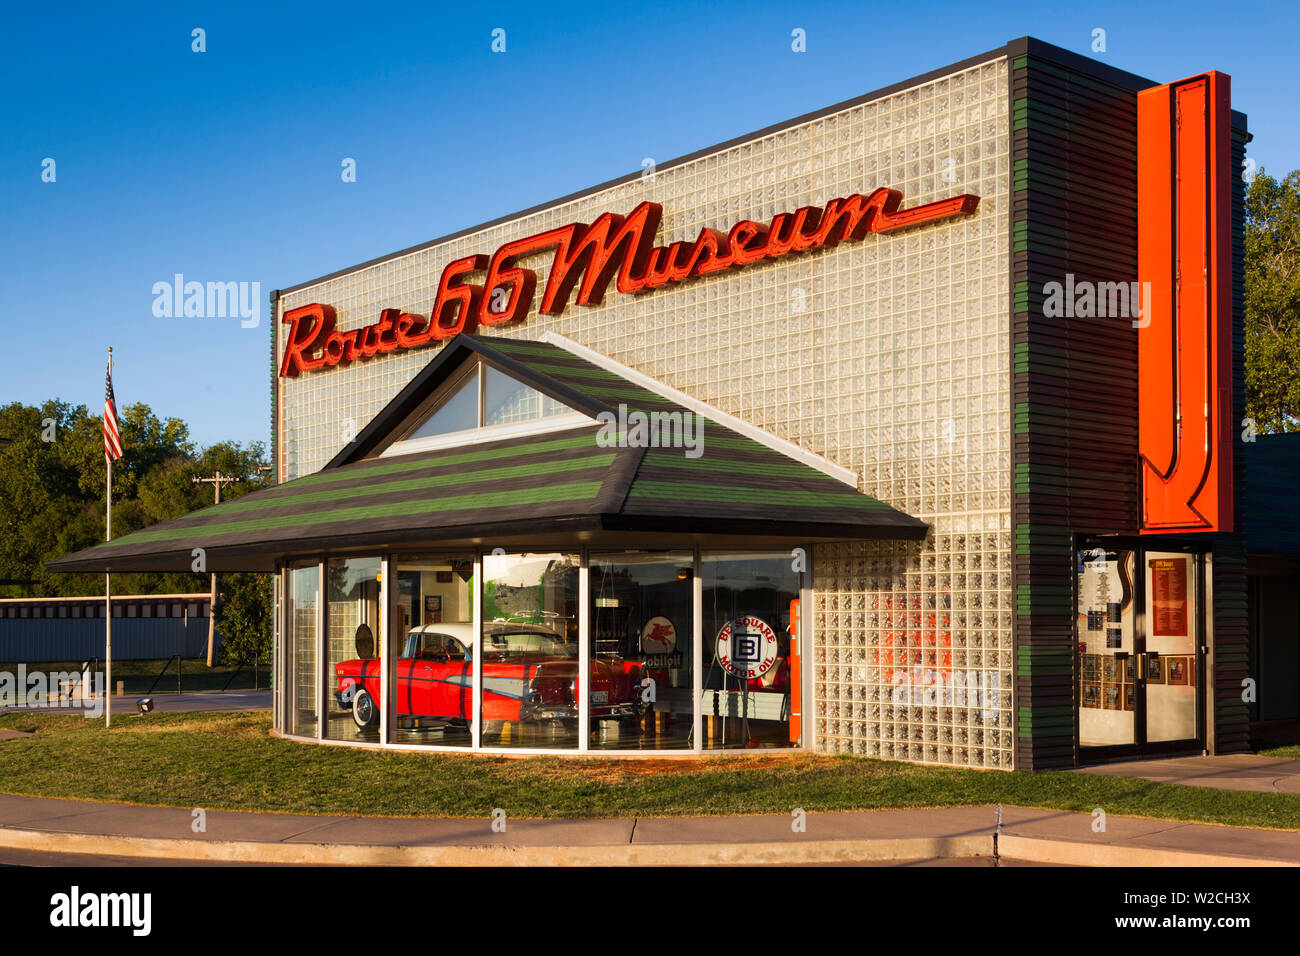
{"type": "Point", "coordinates": [1185, 430]}
{"type": "Point", "coordinates": [586, 259]}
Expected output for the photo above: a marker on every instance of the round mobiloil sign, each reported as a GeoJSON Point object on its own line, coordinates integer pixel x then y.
{"type": "Point", "coordinates": [747, 647]}
{"type": "Point", "coordinates": [658, 636]}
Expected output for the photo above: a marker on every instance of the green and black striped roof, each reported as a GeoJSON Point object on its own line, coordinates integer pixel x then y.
{"type": "Point", "coordinates": [560, 483]}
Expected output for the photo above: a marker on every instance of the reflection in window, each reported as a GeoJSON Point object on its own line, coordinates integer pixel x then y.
{"type": "Point", "coordinates": [530, 650]}
{"type": "Point", "coordinates": [747, 676]}
{"type": "Point", "coordinates": [507, 400]}
{"type": "Point", "coordinates": [642, 688]}
{"type": "Point", "coordinates": [303, 588]}
{"type": "Point", "coordinates": [352, 625]}
{"type": "Point", "coordinates": [432, 651]}
{"type": "Point", "coordinates": [483, 397]}
{"type": "Point", "coordinates": [458, 413]}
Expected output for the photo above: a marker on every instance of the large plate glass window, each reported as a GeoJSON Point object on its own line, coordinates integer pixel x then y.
{"type": "Point", "coordinates": [303, 586]}
{"type": "Point", "coordinates": [748, 677]}
{"type": "Point", "coordinates": [641, 682]}
{"type": "Point", "coordinates": [529, 638]}
{"type": "Point", "coordinates": [431, 654]}
{"type": "Point", "coordinates": [353, 624]}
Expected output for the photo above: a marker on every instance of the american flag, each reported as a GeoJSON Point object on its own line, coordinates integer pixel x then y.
{"type": "Point", "coordinates": [112, 437]}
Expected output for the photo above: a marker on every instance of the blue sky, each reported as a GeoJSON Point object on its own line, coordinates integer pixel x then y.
{"type": "Point", "coordinates": [224, 165]}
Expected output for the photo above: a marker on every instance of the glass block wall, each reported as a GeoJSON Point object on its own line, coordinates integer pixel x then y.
{"type": "Point", "coordinates": [889, 357]}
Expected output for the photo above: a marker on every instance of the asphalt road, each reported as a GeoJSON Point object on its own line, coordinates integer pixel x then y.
{"type": "Point", "coordinates": [201, 702]}
{"type": "Point", "coordinates": [24, 858]}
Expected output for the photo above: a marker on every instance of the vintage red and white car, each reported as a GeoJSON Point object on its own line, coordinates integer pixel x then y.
{"type": "Point", "coordinates": [529, 674]}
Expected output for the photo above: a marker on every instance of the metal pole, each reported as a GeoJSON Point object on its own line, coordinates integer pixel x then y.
{"type": "Point", "coordinates": [212, 618]}
{"type": "Point", "coordinates": [217, 481]}
{"type": "Point", "coordinates": [108, 606]}
{"type": "Point", "coordinates": [212, 601]}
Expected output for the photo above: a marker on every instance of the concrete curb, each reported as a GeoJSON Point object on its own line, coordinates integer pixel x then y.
{"type": "Point", "coordinates": [1071, 853]}
{"type": "Point", "coordinates": [898, 850]}
{"type": "Point", "coordinates": [618, 854]}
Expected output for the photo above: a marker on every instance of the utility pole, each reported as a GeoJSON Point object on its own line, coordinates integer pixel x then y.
{"type": "Point", "coordinates": [216, 481]}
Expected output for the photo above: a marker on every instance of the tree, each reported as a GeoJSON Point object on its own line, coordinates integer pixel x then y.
{"type": "Point", "coordinates": [52, 481]}
{"type": "Point", "coordinates": [244, 618]}
{"type": "Point", "coordinates": [1272, 299]}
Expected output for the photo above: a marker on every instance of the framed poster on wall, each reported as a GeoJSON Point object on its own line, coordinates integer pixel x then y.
{"type": "Point", "coordinates": [1169, 597]}
{"type": "Point", "coordinates": [1090, 696]}
{"type": "Point", "coordinates": [1155, 670]}
{"type": "Point", "coordinates": [432, 609]}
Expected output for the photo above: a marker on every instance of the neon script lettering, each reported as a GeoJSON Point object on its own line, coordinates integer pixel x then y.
{"type": "Point", "coordinates": [586, 258]}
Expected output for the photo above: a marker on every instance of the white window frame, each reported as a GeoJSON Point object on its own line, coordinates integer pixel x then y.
{"type": "Point", "coordinates": [388, 563]}
{"type": "Point", "coordinates": [480, 433]}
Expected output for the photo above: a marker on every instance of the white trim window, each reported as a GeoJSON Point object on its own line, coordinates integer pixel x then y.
{"type": "Point", "coordinates": [481, 403]}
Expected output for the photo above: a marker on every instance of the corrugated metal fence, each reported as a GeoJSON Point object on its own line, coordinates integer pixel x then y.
{"type": "Point", "coordinates": [145, 627]}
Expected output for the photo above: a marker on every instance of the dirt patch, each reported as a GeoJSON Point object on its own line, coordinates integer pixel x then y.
{"type": "Point", "coordinates": [651, 766]}
{"type": "Point", "coordinates": [628, 769]}
{"type": "Point", "coordinates": [15, 734]}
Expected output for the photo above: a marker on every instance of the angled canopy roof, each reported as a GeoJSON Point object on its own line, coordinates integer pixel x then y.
{"type": "Point", "coordinates": [548, 488]}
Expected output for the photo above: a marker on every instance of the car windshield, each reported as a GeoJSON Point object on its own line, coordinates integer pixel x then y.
{"type": "Point", "coordinates": [524, 644]}
{"type": "Point", "coordinates": [438, 647]}
{"type": "Point", "coordinates": [426, 646]}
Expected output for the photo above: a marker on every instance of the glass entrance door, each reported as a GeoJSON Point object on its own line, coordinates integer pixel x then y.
{"type": "Point", "coordinates": [1172, 614]}
{"type": "Point", "coordinates": [1106, 629]}
{"type": "Point", "coordinates": [1137, 631]}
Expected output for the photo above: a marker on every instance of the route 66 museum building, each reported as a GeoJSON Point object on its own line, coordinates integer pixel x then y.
{"type": "Point", "coordinates": [844, 435]}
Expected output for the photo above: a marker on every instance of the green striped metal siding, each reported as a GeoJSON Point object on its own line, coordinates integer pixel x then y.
{"type": "Point", "coordinates": [1229, 731]}
{"type": "Point", "coordinates": [1074, 379]}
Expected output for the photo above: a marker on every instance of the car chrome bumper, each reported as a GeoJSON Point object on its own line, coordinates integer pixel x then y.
{"type": "Point", "coordinates": [534, 710]}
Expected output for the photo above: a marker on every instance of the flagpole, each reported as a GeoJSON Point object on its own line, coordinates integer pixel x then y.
{"type": "Point", "coordinates": [108, 586]}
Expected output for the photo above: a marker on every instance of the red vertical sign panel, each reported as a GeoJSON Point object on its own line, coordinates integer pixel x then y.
{"type": "Point", "coordinates": [1185, 425]}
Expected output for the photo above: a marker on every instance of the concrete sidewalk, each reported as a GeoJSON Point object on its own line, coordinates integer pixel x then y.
{"type": "Point", "coordinates": [1042, 836]}
{"type": "Point", "coordinates": [1230, 772]}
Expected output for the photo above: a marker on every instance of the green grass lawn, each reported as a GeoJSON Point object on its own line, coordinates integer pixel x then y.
{"type": "Point", "coordinates": [231, 761]}
{"type": "Point", "coordinates": [1272, 748]}
{"type": "Point", "coordinates": [139, 675]}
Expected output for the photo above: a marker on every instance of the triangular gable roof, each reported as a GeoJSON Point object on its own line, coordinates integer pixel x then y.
{"type": "Point", "coordinates": [445, 364]}
{"type": "Point", "coordinates": [560, 483]}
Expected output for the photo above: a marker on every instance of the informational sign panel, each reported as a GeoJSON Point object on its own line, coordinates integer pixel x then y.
{"type": "Point", "coordinates": [1169, 597]}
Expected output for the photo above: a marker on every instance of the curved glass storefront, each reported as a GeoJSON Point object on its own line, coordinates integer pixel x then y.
{"type": "Point", "coordinates": [563, 652]}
